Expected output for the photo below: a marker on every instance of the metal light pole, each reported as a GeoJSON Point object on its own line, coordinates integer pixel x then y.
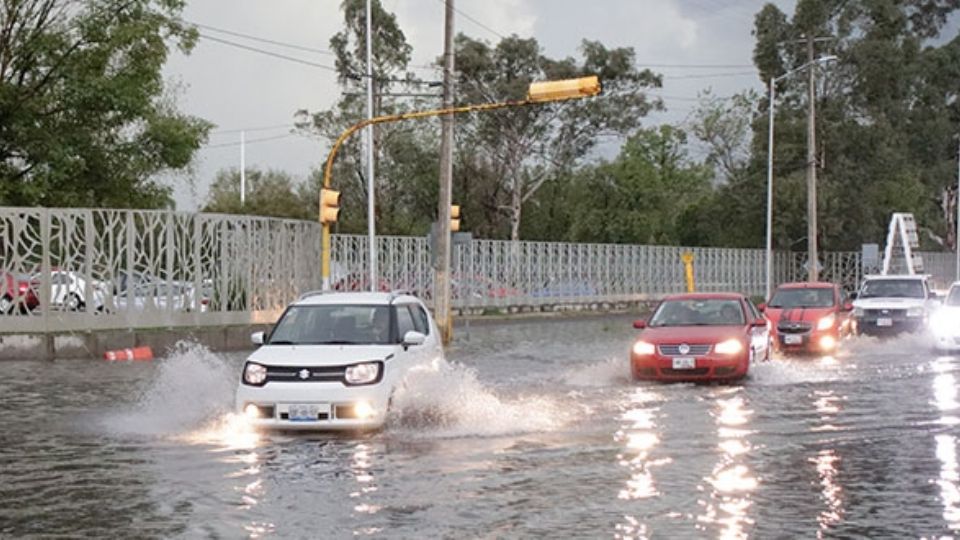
{"type": "Point", "coordinates": [771, 108]}
{"type": "Point", "coordinates": [243, 168]}
{"type": "Point", "coordinates": [812, 257]}
{"type": "Point", "coordinates": [371, 224]}
{"type": "Point", "coordinates": [956, 239]}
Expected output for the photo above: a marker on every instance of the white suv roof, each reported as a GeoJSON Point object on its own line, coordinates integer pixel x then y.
{"type": "Point", "coordinates": [317, 298]}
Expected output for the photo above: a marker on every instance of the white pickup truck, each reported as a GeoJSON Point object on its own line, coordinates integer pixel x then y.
{"type": "Point", "coordinates": [891, 304]}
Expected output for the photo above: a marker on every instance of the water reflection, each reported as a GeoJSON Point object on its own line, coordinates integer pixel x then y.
{"type": "Point", "coordinates": [361, 465]}
{"type": "Point", "coordinates": [639, 436]}
{"type": "Point", "coordinates": [827, 463]}
{"type": "Point", "coordinates": [945, 398]}
{"type": "Point", "coordinates": [732, 480]}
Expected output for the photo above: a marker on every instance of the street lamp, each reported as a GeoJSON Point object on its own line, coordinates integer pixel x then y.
{"type": "Point", "coordinates": [770, 107]}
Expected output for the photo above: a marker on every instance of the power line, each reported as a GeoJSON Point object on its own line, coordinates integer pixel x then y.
{"type": "Point", "coordinates": [268, 53]}
{"type": "Point", "coordinates": [642, 65]}
{"type": "Point", "coordinates": [711, 75]}
{"type": "Point", "coordinates": [251, 141]}
{"type": "Point", "coordinates": [251, 129]}
{"type": "Point", "coordinates": [352, 76]}
{"type": "Point", "coordinates": [475, 21]}
{"type": "Point", "coordinates": [262, 40]}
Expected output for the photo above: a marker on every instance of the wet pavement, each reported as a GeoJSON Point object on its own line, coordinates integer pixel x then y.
{"type": "Point", "coordinates": [533, 429]}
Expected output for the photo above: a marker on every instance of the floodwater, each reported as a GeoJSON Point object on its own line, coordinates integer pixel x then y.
{"type": "Point", "coordinates": [533, 429]}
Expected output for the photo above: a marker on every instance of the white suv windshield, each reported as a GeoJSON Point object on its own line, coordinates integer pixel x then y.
{"type": "Point", "coordinates": [892, 288]}
{"type": "Point", "coordinates": [333, 325]}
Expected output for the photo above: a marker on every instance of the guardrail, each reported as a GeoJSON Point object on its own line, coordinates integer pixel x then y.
{"type": "Point", "coordinates": [115, 269]}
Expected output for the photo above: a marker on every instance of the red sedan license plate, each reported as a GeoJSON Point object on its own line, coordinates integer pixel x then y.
{"type": "Point", "coordinates": [684, 363]}
{"type": "Point", "coordinates": [792, 340]}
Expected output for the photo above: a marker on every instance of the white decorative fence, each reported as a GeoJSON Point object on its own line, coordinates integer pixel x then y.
{"type": "Point", "coordinates": [85, 269]}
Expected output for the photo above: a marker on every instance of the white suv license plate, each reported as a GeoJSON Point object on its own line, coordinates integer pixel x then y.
{"type": "Point", "coordinates": [885, 322]}
{"type": "Point", "coordinates": [306, 412]}
{"type": "Point", "coordinates": [684, 362]}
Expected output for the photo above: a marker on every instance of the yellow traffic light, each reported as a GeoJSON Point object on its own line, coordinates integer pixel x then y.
{"type": "Point", "coordinates": [564, 89]}
{"type": "Point", "coordinates": [454, 217]}
{"type": "Point", "coordinates": [329, 206]}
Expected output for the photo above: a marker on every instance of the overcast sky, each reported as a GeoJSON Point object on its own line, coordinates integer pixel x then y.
{"type": "Point", "coordinates": [238, 89]}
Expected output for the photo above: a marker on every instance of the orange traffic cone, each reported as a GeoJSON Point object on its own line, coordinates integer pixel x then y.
{"type": "Point", "coordinates": [136, 353]}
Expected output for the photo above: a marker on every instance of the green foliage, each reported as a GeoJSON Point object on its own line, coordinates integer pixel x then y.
{"type": "Point", "coordinates": [84, 118]}
{"type": "Point", "coordinates": [270, 193]}
{"type": "Point", "coordinates": [886, 123]}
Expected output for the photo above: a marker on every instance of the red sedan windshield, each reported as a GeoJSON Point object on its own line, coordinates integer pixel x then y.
{"type": "Point", "coordinates": [709, 312]}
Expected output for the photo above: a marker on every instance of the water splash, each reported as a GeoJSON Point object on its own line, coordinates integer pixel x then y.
{"type": "Point", "coordinates": [448, 400]}
{"type": "Point", "coordinates": [612, 371]}
{"type": "Point", "coordinates": [190, 388]}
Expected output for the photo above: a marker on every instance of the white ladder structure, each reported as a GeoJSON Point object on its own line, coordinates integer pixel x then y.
{"type": "Point", "coordinates": [902, 240]}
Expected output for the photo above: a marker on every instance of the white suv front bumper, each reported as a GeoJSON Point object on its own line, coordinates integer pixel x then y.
{"type": "Point", "coordinates": [281, 404]}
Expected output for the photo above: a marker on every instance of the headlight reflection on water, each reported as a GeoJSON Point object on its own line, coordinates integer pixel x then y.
{"type": "Point", "coordinates": [732, 480]}
{"type": "Point", "coordinates": [640, 438]}
{"type": "Point", "coordinates": [945, 399]}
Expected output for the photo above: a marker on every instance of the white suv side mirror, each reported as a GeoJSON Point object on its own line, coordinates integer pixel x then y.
{"type": "Point", "coordinates": [256, 338]}
{"type": "Point", "coordinates": [413, 338]}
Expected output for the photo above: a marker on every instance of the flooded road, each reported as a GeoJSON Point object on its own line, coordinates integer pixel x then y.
{"type": "Point", "coordinates": [534, 429]}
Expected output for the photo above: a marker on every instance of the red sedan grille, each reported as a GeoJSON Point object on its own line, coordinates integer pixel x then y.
{"type": "Point", "coordinates": [698, 372]}
{"type": "Point", "coordinates": [674, 350]}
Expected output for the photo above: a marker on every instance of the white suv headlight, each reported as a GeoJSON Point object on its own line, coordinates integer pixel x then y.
{"type": "Point", "coordinates": [254, 374]}
{"type": "Point", "coordinates": [915, 312]}
{"type": "Point", "coordinates": [367, 373]}
{"type": "Point", "coordinates": [858, 312]}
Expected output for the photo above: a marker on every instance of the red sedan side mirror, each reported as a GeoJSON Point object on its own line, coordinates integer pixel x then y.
{"type": "Point", "coordinates": [640, 324]}
{"type": "Point", "coordinates": [762, 307]}
{"type": "Point", "coordinates": [759, 322]}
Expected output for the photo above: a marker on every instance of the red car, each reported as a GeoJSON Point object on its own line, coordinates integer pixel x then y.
{"type": "Point", "coordinates": [16, 291]}
{"type": "Point", "coordinates": [700, 337]}
{"type": "Point", "coordinates": [808, 317]}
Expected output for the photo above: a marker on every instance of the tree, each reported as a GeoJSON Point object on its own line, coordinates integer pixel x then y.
{"type": "Point", "coordinates": [269, 193]}
{"type": "Point", "coordinates": [405, 153]}
{"type": "Point", "coordinates": [887, 113]}
{"type": "Point", "coordinates": [643, 195]}
{"type": "Point", "coordinates": [83, 116]}
{"type": "Point", "coordinates": [521, 149]}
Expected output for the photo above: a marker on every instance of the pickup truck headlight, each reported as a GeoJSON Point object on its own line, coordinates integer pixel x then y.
{"type": "Point", "coordinates": [915, 312]}
{"type": "Point", "coordinates": [254, 374]}
{"type": "Point", "coordinates": [366, 373]}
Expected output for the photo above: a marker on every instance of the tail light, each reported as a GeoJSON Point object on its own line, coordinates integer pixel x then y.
{"type": "Point", "coordinates": [23, 286]}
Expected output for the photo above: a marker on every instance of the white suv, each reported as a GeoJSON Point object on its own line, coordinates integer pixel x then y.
{"type": "Point", "coordinates": [333, 360]}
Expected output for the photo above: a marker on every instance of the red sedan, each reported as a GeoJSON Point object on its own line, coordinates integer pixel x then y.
{"type": "Point", "coordinates": [700, 337]}
{"type": "Point", "coordinates": [16, 292]}
{"type": "Point", "coordinates": [807, 317]}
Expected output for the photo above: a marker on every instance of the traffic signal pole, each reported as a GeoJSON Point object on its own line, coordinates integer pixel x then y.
{"type": "Point", "coordinates": [539, 93]}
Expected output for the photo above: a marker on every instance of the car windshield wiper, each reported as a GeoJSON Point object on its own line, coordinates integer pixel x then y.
{"type": "Point", "coordinates": [281, 342]}
{"type": "Point", "coordinates": [335, 342]}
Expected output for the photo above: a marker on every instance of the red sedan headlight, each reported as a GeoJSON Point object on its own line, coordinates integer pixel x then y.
{"type": "Point", "coordinates": [729, 347]}
{"type": "Point", "coordinates": [642, 348]}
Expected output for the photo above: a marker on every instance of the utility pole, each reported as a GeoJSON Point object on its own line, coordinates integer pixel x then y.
{"type": "Point", "coordinates": [442, 282]}
{"type": "Point", "coordinates": [243, 168]}
{"type": "Point", "coordinates": [371, 208]}
{"type": "Point", "coordinates": [812, 259]}
{"type": "Point", "coordinates": [956, 236]}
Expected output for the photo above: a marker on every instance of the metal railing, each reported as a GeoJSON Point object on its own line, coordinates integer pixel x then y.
{"type": "Point", "coordinates": [116, 269]}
